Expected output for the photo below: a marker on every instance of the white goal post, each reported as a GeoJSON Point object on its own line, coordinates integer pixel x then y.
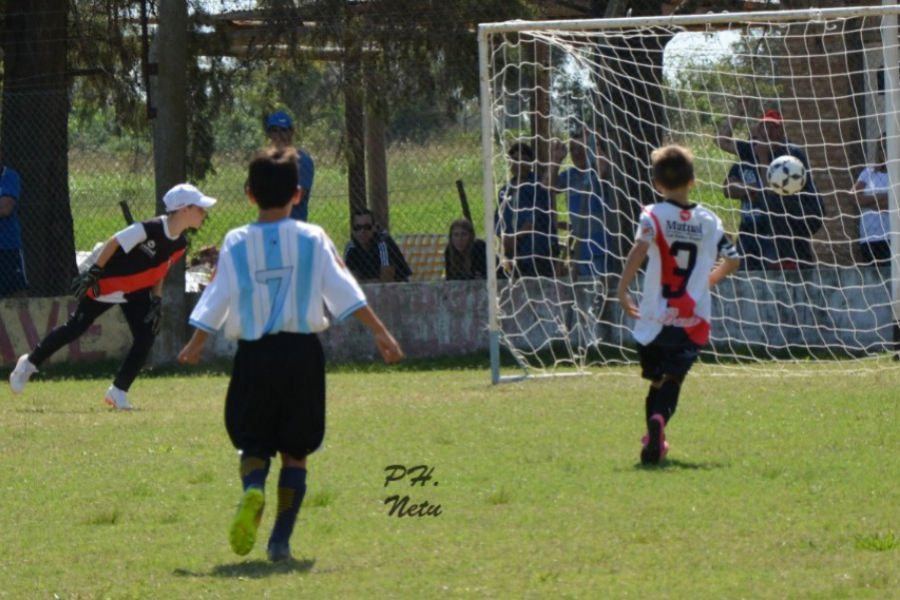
{"type": "Point", "coordinates": [570, 112]}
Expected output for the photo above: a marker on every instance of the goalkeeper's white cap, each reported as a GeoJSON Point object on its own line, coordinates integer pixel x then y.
{"type": "Point", "coordinates": [185, 194]}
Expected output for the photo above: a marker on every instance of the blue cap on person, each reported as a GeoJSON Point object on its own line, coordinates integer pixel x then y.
{"type": "Point", "coordinates": [279, 119]}
{"type": "Point", "coordinates": [185, 194]}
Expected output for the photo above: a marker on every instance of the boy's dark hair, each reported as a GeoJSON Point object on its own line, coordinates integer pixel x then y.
{"type": "Point", "coordinates": [673, 166]}
{"type": "Point", "coordinates": [272, 177]}
{"type": "Point", "coordinates": [523, 149]}
{"type": "Point", "coordinates": [363, 212]}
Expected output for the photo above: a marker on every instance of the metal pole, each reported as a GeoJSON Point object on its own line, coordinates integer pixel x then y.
{"type": "Point", "coordinates": [585, 25]}
{"type": "Point", "coordinates": [487, 162]}
{"type": "Point", "coordinates": [892, 131]}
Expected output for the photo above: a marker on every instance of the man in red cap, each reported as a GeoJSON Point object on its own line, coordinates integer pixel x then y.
{"type": "Point", "coordinates": [775, 230]}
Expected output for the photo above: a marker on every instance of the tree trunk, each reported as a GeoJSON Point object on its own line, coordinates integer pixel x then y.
{"type": "Point", "coordinates": [34, 137]}
{"type": "Point", "coordinates": [355, 124]}
{"type": "Point", "coordinates": [633, 123]}
{"type": "Point", "coordinates": [169, 158]}
{"type": "Point", "coordinates": [376, 156]}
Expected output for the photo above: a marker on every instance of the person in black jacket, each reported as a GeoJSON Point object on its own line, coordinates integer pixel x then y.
{"type": "Point", "coordinates": [372, 256]}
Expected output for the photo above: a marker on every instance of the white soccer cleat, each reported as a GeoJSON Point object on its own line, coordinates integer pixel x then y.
{"type": "Point", "coordinates": [117, 399]}
{"type": "Point", "coordinates": [21, 374]}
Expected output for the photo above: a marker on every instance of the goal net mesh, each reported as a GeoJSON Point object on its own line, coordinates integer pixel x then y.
{"type": "Point", "coordinates": [574, 115]}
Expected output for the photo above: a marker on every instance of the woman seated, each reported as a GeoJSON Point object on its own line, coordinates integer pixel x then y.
{"type": "Point", "coordinates": [464, 257]}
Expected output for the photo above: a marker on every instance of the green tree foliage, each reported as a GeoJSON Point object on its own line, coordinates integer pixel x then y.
{"type": "Point", "coordinates": [735, 82]}
{"type": "Point", "coordinates": [419, 56]}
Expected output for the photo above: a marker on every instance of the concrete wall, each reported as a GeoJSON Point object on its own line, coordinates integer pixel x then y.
{"type": "Point", "coordinates": [824, 308]}
{"type": "Point", "coordinates": [831, 309]}
{"type": "Point", "coordinates": [429, 319]}
{"type": "Point", "coordinates": [23, 322]}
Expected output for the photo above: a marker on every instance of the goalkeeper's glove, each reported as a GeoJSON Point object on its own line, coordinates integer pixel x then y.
{"type": "Point", "coordinates": [154, 314]}
{"type": "Point", "coordinates": [88, 280]}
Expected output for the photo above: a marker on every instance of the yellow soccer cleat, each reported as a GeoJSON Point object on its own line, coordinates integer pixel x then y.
{"type": "Point", "coordinates": [242, 534]}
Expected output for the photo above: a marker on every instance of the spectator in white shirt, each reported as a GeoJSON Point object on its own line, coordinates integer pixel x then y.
{"type": "Point", "coordinates": [871, 191]}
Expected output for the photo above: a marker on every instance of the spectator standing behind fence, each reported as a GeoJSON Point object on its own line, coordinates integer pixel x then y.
{"type": "Point", "coordinates": [871, 189]}
{"type": "Point", "coordinates": [465, 257]}
{"type": "Point", "coordinates": [12, 263]}
{"type": "Point", "coordinates": [525, 222]}
{"type": "Point", "coordinates": [371, 255]}
{"type": "Point", "coordinates": [792, 220]}
{"type": "Point", "coordinates": [587, 196]}
{"type": "Point", "coordinates": [280, 129]}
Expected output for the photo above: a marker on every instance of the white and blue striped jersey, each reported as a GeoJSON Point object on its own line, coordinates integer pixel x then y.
{"type": "Point", "coordinates": [274, 277]}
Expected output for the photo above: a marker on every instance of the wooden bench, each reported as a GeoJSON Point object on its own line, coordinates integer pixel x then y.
{"type": "Point", "coordinates": [424, 253]}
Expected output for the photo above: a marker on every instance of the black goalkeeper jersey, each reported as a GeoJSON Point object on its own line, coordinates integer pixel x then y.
{"type": "Point", "coordinates": [145, 265]}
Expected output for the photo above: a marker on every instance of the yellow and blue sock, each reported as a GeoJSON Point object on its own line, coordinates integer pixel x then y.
{"type": "Point", "coordinates": [254, 470]}
{"type": "Point", "coordinates": [291, 489]}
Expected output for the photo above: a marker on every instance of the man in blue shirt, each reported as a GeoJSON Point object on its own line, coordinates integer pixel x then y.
{"type": "Point", "coordinates": [12, 264]}
{"type": "Point", "coordinates": [526, 222]}
{"type": "Point", "coordinates": [280, 130]}
{"type": "Point", "coordinates": [587, 195]}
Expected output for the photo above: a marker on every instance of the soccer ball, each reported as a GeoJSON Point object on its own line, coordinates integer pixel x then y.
{"type": "Point", "coordinates": [786, 175]}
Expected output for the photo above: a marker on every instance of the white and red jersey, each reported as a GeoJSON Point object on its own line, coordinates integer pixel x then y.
{"type": "Point", "coordinates": [685, 243]}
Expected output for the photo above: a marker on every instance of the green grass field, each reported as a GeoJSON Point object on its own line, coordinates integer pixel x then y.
{"type": "Point", "coordinates": [775, 487]}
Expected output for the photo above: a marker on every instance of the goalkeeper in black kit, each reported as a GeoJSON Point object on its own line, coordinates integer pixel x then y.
{"type": "Point", "coordinates": [129, 271]}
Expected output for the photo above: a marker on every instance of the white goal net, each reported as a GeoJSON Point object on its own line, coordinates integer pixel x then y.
{"type": "Point", "coordinates": [570, 113]}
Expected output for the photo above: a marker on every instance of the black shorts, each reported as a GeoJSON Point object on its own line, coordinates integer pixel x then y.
{"type": "Point", "coordinates": [276, 397]}
{"type": "Point", "coordinates": [671, 353]}
{"type": "Point", "coordinates": [12, 272]}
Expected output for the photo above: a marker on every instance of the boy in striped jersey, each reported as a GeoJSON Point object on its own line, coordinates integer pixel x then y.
{"type": "Point", "coordinates": [128, 272]}
{"type": "Point", "coordinates": [273, 280]}
{"type": "Point", "coordinates": [684, 242]}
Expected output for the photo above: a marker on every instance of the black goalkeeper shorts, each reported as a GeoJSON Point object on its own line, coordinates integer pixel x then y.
{"type": "Point", "coordinates": [276, 397]}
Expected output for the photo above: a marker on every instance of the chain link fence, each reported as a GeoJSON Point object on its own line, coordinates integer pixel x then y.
{"type": "Point", "coordinates": [422, 186]}
{"type": "Point", "coordinates": [107, 167]}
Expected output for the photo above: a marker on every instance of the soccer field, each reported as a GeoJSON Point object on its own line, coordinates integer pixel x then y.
{"type": "Point", "coordinates": [775, 487]}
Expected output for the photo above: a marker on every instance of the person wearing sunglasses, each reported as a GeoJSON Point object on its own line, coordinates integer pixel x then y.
{"type": "Point", "coordinates": [371, 255]}
{"type": "Point", "coordinates": [280, 131]}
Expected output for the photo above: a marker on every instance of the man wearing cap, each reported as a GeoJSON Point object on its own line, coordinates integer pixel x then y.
{"type": "Point", "coordinates": [129, 271]}
{"type": "Point", "coordinates": [775, 230]}
{"type": "Point", "coordinates": [280, 130]}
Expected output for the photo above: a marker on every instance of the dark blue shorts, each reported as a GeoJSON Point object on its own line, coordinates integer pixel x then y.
{"type": "Point", "coordinates": [671, 353]}
{"type": "Point", "coordinates": [12, 272]}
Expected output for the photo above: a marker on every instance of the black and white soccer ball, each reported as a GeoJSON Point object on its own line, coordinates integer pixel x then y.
{"type": "Point", "coordinates": [786, 175]}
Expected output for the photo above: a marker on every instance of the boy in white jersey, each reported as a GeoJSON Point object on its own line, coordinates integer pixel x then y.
{"type": "Point", "coordinates": [683, 241]}
{"type": "Point", "coordinates": [273, 280]}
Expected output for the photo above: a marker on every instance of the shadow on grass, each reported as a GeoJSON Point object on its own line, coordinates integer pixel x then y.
{"type": "Point", "coordinates": [253, 569]}
{"type": "Point", "coordinates": [673, 464]}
